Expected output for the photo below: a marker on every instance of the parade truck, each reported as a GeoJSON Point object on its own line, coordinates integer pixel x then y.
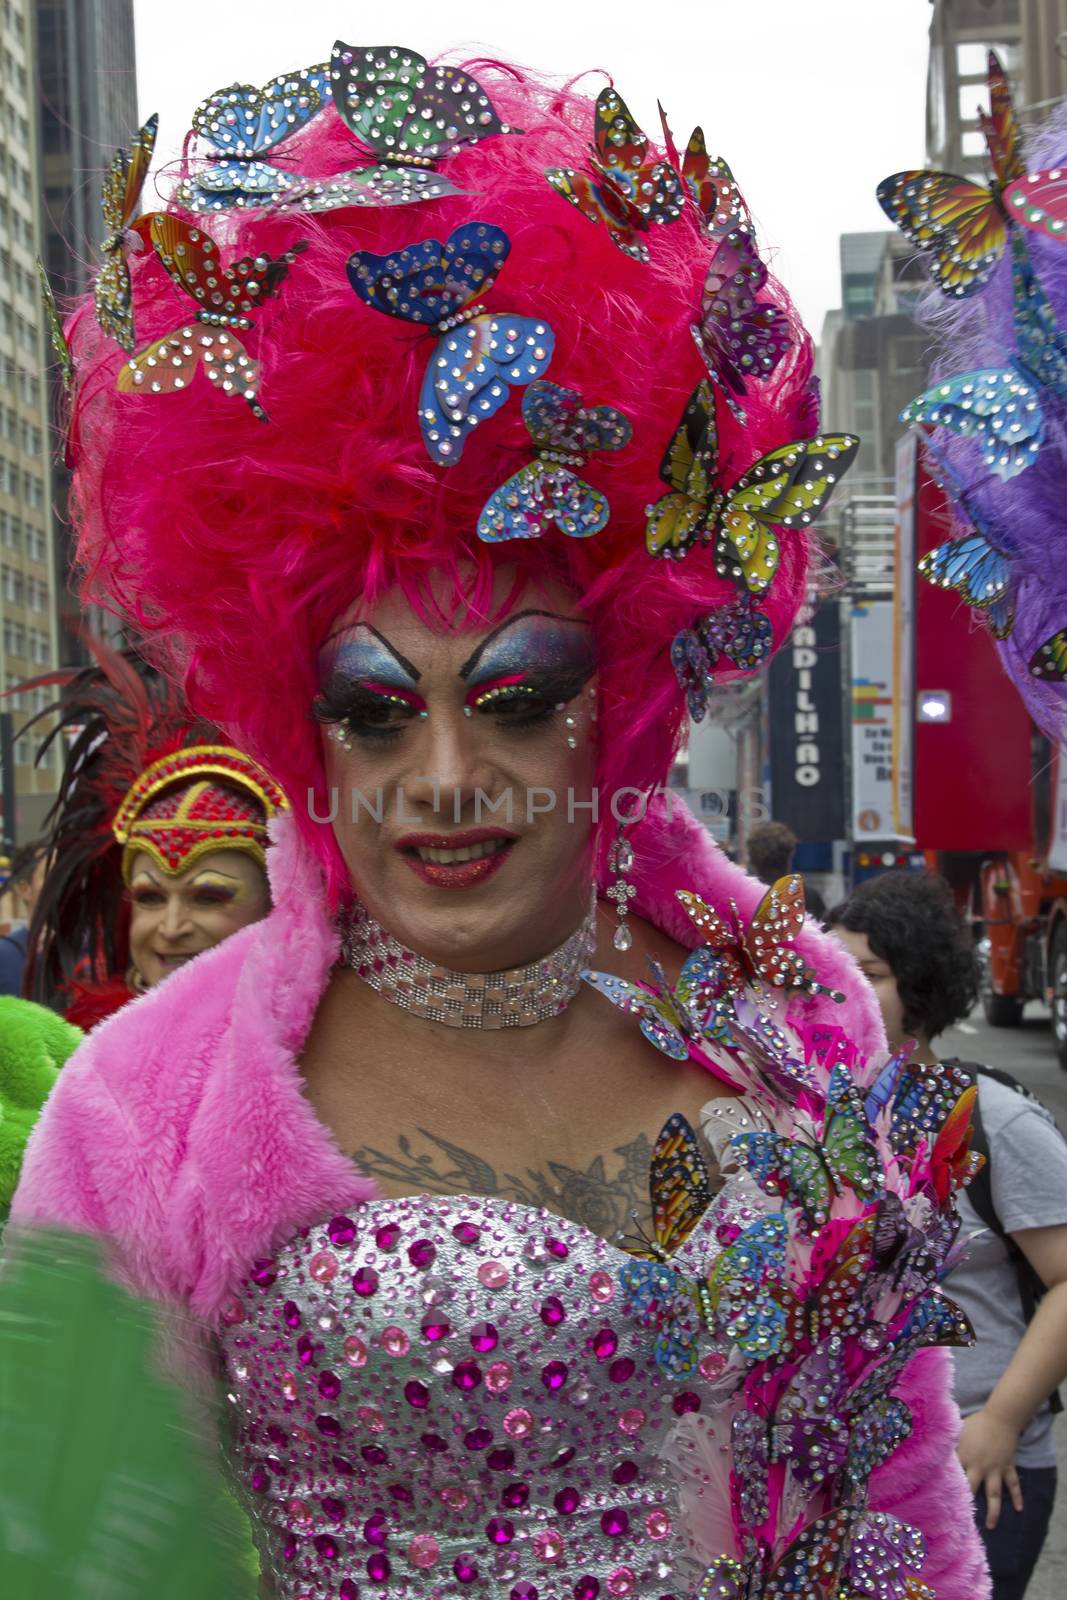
{"type": "Point", "coordinates": [979, 789]}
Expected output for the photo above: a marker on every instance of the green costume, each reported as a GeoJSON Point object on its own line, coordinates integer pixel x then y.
{"type": "Point", "coordinates": [34, 1043]}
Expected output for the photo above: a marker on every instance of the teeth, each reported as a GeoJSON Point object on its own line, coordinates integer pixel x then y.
{"type": "Point", "coordinates": [468, 852]}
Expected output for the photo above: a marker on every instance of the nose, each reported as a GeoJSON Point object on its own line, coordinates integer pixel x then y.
{"type": "Point", "coordinates": [451, 767]}
{"type": "Point", "coordinates": [175, 921]}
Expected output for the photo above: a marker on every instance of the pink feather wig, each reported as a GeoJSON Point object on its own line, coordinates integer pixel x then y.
{"type": "Point", "coordinates": [234, 545]}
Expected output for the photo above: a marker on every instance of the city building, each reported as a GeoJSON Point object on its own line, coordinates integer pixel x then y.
{"type": "Point", "coordinates": [87, 94]}
{"type": "Point", "coordinates": [27, 567]}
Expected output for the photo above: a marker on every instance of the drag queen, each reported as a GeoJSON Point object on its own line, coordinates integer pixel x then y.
{"type": "Point", "coordinates": [481, 443]}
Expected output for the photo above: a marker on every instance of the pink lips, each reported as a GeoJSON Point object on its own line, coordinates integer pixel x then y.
{"type": "Point", "coordinates": [457, 874]}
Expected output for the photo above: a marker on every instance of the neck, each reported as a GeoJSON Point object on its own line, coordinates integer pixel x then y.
{"type": "Point", "coordinates": [515, 997]}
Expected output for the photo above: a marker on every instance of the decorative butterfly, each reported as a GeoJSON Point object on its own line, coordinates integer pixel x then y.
{"type": "Point", "coordinates": [242, 124]}
{"type": "Point", "coordinates": [409, 114]}
{"type": "Point", "coordinates": [626, 191]}
{"type": "Point", "coordinates": [838, 1302]}
{"type": "Point", "coordinates": [1049, 660]}
{"type": "Point", "coordinates": [712, 186]}
{"type": "Point", "coordinates": [739, 631]}
{"type": "Point", "coordinates": [548, 491]}
{"type": "Point", "coordinates": [740, 336]}
{"type": "Point", "coordinates": [680, 1191]}
{"type": "Point", "coordinates": [764, 951]}
{"type": "Point", "coordinates": [845, 1552]}
{"type": "Point", "coordinates": [934, 1319]}
{"type": "Point", "coordinates": [912, 1258]}
{"type": "Point", "coordinates": [1039, 201]}
{"type": "Point", "coordinates": [225, 298]}
{"type": "Point", "coordinates": [787, 488]}
{"type": "Point", "coordinates": [963, 224]}
{"type": "Point", "coordinates": [119, 199]}
{"type": "Point", "coordinates": [479, 355]}
{"type": "Point", "coordinates": [58, 338]}
{"type": "Point", "coordinates": [1002, 408]}
{"type": "Point", "coordinates": [673, 1019]}
{"type": "Point", "coordinates": [746, 1286]}
{"type": "Point", "coordinates": [809, 1176]}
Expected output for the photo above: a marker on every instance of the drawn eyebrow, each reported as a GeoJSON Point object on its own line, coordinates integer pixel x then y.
{"type": "Point", "coordinates": [402, 661]}
{"type": "Point", "coordinates": [472, 660]}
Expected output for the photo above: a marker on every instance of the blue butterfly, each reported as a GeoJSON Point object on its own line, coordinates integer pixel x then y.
{"type": "Point", "coordinates": [663, 1300]}
{"type": "Point", "coordinates": [738, 631]}
{"type": "Point", "coordinates": [242, 123]}
{"type": "Point", "coordinates": [547, 490]}
{"type": "Point", "coordinates": [742, 1285]}
{"type": "Point", "coordinates": [974, 565]}
{"type": "Point", "coordinates": [1002, 407]}
{"type": "Point", "coordinates": [480, 355]}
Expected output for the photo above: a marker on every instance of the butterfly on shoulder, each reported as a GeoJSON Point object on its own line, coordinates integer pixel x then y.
{"type": "Point", "coordinates": [548, 492]}
{"type": "Point", "coordinates": [846, 1551]}
{"type": "Point", "coordinates": [763, 952]}
{"type": "Point", "coordinates": [241, 124]}
{"type": "Point", "coordinates": [627, 187]}
{"type": "Point", "coordinates": [479, 356]}
{"type": "Point", "coordinates": [786, 488]}
{"type": "Point", "coordinates": [963, 224]}
{"type": "Point", "coordinates": [225, 297]}
{"type": "Point", "coordinates": [676, 1018]}
{"type": "Point", "coordinates": [119, 199]}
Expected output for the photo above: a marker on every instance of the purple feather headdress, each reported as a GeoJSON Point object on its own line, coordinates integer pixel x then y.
{"type": "Point", "coordinates": [1024, 516]}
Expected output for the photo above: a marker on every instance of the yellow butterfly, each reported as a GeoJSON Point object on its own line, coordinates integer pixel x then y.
{"type": "Point", "coordinates": [786, 488]}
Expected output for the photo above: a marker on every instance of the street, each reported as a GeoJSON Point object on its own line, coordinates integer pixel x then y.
{"type": "Point", "coordinates": [1027, 1052]}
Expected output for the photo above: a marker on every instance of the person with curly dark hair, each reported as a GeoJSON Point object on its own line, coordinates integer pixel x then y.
{"type": "Point", "coordinates": [907, 936]}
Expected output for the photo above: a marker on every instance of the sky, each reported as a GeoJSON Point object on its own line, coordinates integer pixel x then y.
{"type": "Point", "coordinates": [810, 101]}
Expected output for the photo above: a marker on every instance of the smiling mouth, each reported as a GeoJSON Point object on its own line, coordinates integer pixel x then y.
{"type": "Point", "coordinates": [467, 852]}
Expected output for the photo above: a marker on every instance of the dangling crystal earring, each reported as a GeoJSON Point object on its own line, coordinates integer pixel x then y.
{"type": "Point", "coordinates": [620, 862]}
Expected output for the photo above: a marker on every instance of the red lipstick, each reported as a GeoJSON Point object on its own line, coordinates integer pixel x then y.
{"type": "Point", "coordinates": [452, 874]}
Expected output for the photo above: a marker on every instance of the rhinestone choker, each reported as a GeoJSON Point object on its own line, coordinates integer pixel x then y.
{"type": "Point", "coordinates": [515, 998]}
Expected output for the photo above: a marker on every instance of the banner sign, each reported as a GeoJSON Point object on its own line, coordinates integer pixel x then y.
{"type": "Point", "coordinates": [804, 700]}
{"type": "Point", "coordinates": [871, 654]}
{"type": "Point", "coordinates": [904, 558]}
{"type": "Point", "coordinates": [1057, 849]}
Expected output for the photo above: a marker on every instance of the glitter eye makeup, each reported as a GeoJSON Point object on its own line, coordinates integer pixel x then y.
{"type": "Point", "coordinates": [531, 666]}
{"type": "Point", "coordinates": [367, 688]}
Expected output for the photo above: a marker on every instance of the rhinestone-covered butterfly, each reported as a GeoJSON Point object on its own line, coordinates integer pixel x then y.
{"type": "Point", "coordinates": [741, 337]}
{"type": "Point", "coordinates": [225, 298]}
{"type": "Point", "coordinates": [764, 951]}
{"type": "Point", "coordinates": [963, 224]}
{"type": "Point", "coordinates": [408, 114]}
{"type": "Point", "coordinates": [1002, 408]}
{"type": "Point", "coordinates": [119, 199]}
{"type": "Point", "coordinates": [479, 355]}
{"type": "Point", "coordinates": [1049, 660]}
{"type": "Point", "coordinates": [787, 488]}
{"type": "Point", "coordinates": [624, 190]}
{"type": "Point", "coordinates": [740, 632]}
{"type": "Point", "coordinates": [664, 1299]}
{"type": "Point", "coordinates": [548, 492]}
{"type": "Point", "coordinates": [242, 124]}
{"type": "Point", "coordinates": [711, 185]}
{"type": "Point", "coordinates": [672, 1018]}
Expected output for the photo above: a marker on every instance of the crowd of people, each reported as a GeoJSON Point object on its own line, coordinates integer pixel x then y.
{"type": "Point", "coordinates": [553, 1208]}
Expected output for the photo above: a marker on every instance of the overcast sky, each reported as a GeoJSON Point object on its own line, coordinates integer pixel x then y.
{"type": "Point", "coordinates": [811, 101]}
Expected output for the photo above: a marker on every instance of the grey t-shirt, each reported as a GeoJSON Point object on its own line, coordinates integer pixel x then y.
{"type": "Point", "coordinates": [1029, 1183]}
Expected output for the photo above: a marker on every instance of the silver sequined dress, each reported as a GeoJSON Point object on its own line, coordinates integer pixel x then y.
{"type": "Point", "coordinates": [450, 1397]}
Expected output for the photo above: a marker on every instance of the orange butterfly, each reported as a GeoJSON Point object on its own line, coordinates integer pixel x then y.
{"type": "Point", "coordinates": [963, 224]}
{"type": "Point", "coordinates": [764, 952]}
{"type": "Point", "coordinates": [118, 201]}
{"type": "Point", "coordinates": [225, 297]}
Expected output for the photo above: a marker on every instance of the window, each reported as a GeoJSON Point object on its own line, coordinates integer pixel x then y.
{"type": "Point", "coordinates": [971, 57]}
{"type": "Point", "coordinates": [23, 751]}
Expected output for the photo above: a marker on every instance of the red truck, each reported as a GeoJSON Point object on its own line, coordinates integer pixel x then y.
{"type": "Point", "coordinates": [989, 793]}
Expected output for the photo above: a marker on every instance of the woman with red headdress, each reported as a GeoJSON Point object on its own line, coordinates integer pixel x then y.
{"type": "Point", "coordinates": [516, 1292]}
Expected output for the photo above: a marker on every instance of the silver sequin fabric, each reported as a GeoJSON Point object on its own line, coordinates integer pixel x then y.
{"type": "Point", "coordinates": [449, 1397]}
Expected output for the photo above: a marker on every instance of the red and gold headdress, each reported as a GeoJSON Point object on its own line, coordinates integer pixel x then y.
{"type": "Point", "coordinates": [203, 798]}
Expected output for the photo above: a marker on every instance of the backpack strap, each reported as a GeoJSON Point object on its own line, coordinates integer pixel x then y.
{"type": "Point", "coordinates": [980, 1195]}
